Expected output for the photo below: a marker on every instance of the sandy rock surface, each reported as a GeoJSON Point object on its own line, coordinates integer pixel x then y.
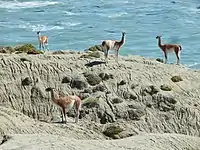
{"type": "Point", "coordinates": [137, 104]}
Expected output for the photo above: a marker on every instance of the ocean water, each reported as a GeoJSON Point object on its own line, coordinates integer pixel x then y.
{"type": "Point", "coordinates": [77, 25]}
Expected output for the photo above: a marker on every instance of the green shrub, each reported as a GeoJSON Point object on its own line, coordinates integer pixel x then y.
{"type": "Point", "coordinates": [27, 48]}
{"type": "Point", "coordinates": [112, 131]}
{"type": "Point", "coordinates": [176, 79]}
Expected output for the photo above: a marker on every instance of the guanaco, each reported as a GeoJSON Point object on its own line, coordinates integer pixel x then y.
{"type": "Point", "coordinates": [66, 103]}
{"type": "Point", "coordinates": [113, 45]}
{"type": "Point", "coordinates": [43, 41]}
{"type": "Point", "coordinates": [168, 48]}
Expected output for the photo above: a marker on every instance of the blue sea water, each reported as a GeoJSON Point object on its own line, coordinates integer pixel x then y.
{"type": "Point", "coordinates": [79, 24]}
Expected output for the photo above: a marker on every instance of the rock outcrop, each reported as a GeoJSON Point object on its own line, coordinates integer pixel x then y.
{"type": "Point", "coordinates": [137, 96]}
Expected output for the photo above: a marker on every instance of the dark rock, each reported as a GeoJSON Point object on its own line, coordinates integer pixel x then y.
{"type": "Point", "coordinates": [121, 111]}
{"type": "Point", "coordinates": [105, 76]}
{"type": "Point", "coordinates": [149, 105]}
{"type": "Point", "coordinates": [136, 114]}
{"type": "Point", "coordinates": [6, 49]}
{"type": "Point", "coordinates": [79, 83]}
{"type": "Point", "coordinates": [164, 101]}
{"type": "Point", "coordinates": [34, 52]}
{"type": "Point", "coordinates": [5, 138]}
{"type": "Point", "coordinates": [134, 106]}
{"type": "Point", "coordinates": [151, 90]}
{"type": "Point", "coordinates": [117, 100]}
{"type": "Point", "coordinates": [88, 90]}
{"type": "Point", "coordinates": [129, 95]}
{"type": "Point", "coordinates": [84, 95]}
{"type": "Point", "coordinates": [134, 85]}
{"type": "Point", "coordinates": [125, 134]}
{"type": "Point", "coordinates": [160, 60]}
{"type": "Point", "coordinates": [95, 54]}
{"type": "Point", "coordinates": [95, 63]}
{"type": "Point", "coordinates": [58, 52]}
{"type": "Point", "coordinates": [99, 87]}
{"type": "Point", "coordinates": [165, 87]}
{"type": "Point", "coordinates": [24, 59]}
{"type": "Point", "coordinates": [122, 82]}
{"type": "Point", "coordinates": [99, 110]}
{"type": "Point", "coordinates": [105, 117]}
{"type": "Point", "coordinates": [108, 92]}
{"type": "Point", "coordinates": [27, 81]}
{"type": "Point", "coordinates": [92, 78]}
{"type": "Point", "coordinates": [66, 80]}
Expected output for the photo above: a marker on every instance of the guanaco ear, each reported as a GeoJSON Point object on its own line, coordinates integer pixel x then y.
{"type": "Point", "coordinates": [158, 36]}
{"type": "Point", "coordinates": [123, 32]}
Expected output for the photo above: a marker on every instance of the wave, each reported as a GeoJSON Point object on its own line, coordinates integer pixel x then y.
{"type": "Point", "coordinates": [194, 65]}
{"type": "Point", "coordinates": [18, 5]}
{"type": "Point", "coordinates": [115, 15]}
{"type": "Point", "coordinates": [70, 24]}
{"type": "Point", "coordinates": [70, 13]}
{"type": "Point", "coordinates": [40, 27]}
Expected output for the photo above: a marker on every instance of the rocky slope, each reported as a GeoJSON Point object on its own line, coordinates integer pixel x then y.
{"type": "Point", "coordinates": [139, 96]}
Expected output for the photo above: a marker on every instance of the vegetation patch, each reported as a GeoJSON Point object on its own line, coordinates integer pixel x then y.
{"type": "Point", "coordinates": [27, 48]}
{"type": "Point", "coordinates": [176, 79]}
{"type": "Point", "coordinates": [112, 131]}
{"type": "Point", "coordinates": [92, 78]}
{"type": "Point", "coordinates": [90, 102]}
{"type": "Point", "coordinates": [96, 48]}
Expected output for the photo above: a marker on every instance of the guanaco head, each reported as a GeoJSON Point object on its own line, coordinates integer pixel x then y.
{"type": "Point", "coordinates": [49, 89]}
{"type": "Point", "coordinates": [38, 32]}
{"type": "Point", "coordinates": [159, 36]}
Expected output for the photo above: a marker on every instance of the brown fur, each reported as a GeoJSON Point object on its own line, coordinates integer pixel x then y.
{"type": "Point", "coordinates": [66, 103]}
{"type": "Point", "coordinates": [166, 48]}
{"type": "Point", "coordinates": [42, 40]}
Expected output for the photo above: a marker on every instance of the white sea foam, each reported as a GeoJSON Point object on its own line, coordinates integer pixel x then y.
{"type": "Point", "coordinates": [194, 65]}
{"type": "Point", "coordinates": [19, 5]}
{"type": "Point", "coordinates": [70, 13]}
{"type": "Point", "coordinates": [115, 15]}
{"type": "Point", "coordinates": [39, 27]}
{"type": "Point", "coordinates": [70, 24]}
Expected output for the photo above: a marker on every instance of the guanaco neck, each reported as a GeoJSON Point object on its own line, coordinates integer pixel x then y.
{"type": "Point", "coordinates": [39, 36]}
{"type": "Point", "coordinates": [159, 42]}
{"type": "Point", "coordinates": [123, 39]}
{"type": "Point", "coordinates": [54, 96]}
